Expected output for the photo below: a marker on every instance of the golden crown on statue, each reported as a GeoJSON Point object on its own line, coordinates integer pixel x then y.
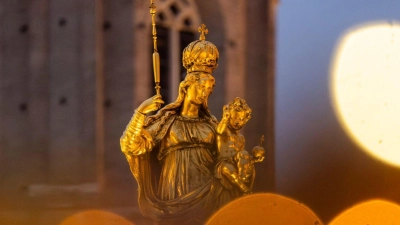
{"type": "Point", "coordinates": [200, 55]}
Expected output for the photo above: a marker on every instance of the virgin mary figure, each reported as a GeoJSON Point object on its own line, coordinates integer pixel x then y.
{"type": "Point", "coordinates": [180, 139]}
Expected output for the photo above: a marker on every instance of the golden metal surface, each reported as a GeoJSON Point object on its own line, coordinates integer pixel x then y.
{"type": "Point", "coordinates": [203, 162]}
{"type": "Point", "coordinates": [200, 55]}
{"type": "Point", "coordinates": [156, 56]}
{"type": "Point", "coordinates": [203, 30]}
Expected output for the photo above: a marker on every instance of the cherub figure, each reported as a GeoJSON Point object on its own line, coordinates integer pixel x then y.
{"type": "Point", "coordinates": [235, 163]}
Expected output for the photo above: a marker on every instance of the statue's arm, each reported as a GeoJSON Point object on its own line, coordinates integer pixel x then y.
{"type": "Point", "coordinates": [241, 142]}
{"type": "Point", "coordinates": [136, 140]}
{"type": "Point", "coordinates": [221, 128]}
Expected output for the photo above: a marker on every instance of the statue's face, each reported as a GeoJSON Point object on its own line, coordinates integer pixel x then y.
{"type": "Point", "coordinates": [237, 119]}
{"type": "Point", "coordinates": [198, 92]}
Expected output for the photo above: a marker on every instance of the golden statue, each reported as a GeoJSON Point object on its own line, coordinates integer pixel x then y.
{"type": "Point", "coordinates": [173, 154]}
{"type": "Point", "coordinates": [182, 135]}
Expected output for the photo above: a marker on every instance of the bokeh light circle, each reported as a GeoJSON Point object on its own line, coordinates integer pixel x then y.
{"type": "Point", "coordinates": [374, 212]}
{"type": "Point", "coordinates": [365, 83]}
{"type": "Point", "coordinates": [95, 217]}
{"type": "Point", "coordinates": [266, 209]}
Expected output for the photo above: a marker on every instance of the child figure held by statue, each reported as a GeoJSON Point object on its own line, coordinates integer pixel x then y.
{"type": "Point", "coordinates": [235, 167]}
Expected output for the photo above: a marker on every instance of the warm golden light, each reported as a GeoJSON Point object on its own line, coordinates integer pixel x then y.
{"type": "Point", "coordinates": [95, 217]}
{"type": "Point", "coordinates": [266, 209]}
{"type": "Point", "coordinates": [366, 88]}
{"type": "Point", "coordinates": [376, 212]}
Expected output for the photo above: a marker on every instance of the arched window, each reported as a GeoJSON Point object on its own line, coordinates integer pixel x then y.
{"type": "Point", "coordinates": [177, 23]}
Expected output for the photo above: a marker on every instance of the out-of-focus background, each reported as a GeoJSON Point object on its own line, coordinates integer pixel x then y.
{"type": "Point", "coordinates": [320, 76]}
{"type": "Point", "coordinates": [320, 158]}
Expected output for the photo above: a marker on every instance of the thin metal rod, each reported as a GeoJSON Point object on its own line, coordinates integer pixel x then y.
{"type": "Point", "coordinates": [156, 56]}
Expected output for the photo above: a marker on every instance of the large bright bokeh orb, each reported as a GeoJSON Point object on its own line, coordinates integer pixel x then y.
{"type": "Point", "coordinates": [365, 83]}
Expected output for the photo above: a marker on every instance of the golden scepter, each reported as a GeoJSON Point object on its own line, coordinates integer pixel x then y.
{"type": "Point", "coordinates": [156, 56]}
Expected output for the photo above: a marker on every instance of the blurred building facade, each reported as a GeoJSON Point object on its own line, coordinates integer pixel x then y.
{"type": "Point", "coordinates": [72, 73]}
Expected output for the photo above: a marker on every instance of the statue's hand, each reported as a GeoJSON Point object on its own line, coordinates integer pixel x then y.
{"type": "Point", "coordinates": [226, 114]}
{"type": "Point", "coordinates": [259, 159]}
{"type": "Point", "coordinates": [151, 104]}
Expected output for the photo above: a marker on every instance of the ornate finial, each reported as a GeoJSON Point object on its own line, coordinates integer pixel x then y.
{"type": "Point", "coordinates": [152, 7]}
{"type": "Point", "coordinates": [203, 29]}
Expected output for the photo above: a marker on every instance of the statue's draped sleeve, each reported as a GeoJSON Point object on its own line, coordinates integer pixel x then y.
{"type": "Point", "coordinates": [136, 140]}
